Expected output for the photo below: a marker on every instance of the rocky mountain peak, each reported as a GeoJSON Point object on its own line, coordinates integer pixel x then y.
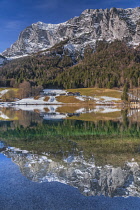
{"type": "Point", "coordinates": [84, 30]}
{"type": "Point", "coordinates": [78, 172]}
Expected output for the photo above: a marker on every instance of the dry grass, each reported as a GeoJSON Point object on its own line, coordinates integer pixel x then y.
{"type": "Point", "coordinates": [36, 97]}
{"type": "Point", "coordinates": [10, 114]}
{"type": "Point", "coordinates": [68, 109]}
{"type": "Point", "coordinates": [2, 89]}
{"type": "Point", "coordinates": [74, 100]}
{"type": "Point", "coordinates": [97, 92]}
{"type": "Point", "coordinates": [111, 151]}
{"type": "Point", "coordinates": [96, 116]}
{"type": "Point", "coordinates": [46, 98]}
{"type": "Point", "coordinates": [14, 89]}
{"type": "Point", "coordinates": [67, 99]}
{"type": "Point", "coordinates": [7, 95]}
{"type": "Point", "coordinates": [46, 109]}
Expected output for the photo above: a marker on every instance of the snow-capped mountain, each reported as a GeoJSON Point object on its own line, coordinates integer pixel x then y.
{"type": "Point", "coordinates": [86, 29]}
{"type": "Point", "coordinates": [78, 172]}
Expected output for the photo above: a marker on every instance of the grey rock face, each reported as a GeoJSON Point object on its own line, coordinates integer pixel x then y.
{"type": "Point", "coordinates": [90, 26]}
{"type": "Point", "coordinates": [78, 172]}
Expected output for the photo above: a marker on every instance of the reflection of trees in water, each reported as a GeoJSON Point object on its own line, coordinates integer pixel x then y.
{"type": "Point", "coordinates": [30, 123]}
{"type": "Point", "coordinates": [19, 117]}
{"type": "Point", "coordinates": [27, 119]}
{"type": "Point", "coordinates": [125, 118]}
{"type": "Point", "coordinates": [105, 139]}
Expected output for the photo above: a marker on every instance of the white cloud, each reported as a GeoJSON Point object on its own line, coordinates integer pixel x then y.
{"type": "Point", "coordinates": [12, 25]}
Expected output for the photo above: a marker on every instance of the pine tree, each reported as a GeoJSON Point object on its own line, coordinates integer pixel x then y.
{"type": "Point", "coordinates": [125, 92]}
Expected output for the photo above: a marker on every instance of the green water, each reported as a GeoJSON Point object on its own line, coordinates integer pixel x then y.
{"type": "Point", "coordinates": [111, 138]}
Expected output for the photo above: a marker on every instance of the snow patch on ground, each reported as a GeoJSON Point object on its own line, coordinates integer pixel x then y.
{"type": "Point", "coordinates": [26, 101]}
{"type": "Point", "coordinates": [57, 91]}
{"type": "Point", "coordinates": [3, 92]}
{"type": "Point", "coordinates": [30, 107]}
{"type": "Point", "coordinates": [106, 100]}
{"type": "Point", "coordinates": [31, 101]}
{"type": "Point", "coordinates": [53, 93]}
{"type": "Point", "coordinates": [53, 100]}
{"type": "Point", "coordinates": [109, 98]}
{"type": "Point", "coordinates": [16, 57]}
{"type": "Point", "coordinates": [80, 98]}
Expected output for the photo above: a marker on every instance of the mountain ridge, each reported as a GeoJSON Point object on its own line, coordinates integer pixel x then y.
{"type": "Point", "coordinates": [84, 30]}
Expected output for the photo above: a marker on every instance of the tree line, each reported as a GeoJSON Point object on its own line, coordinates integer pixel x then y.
{"type": "Point", "coordinates": [111, 65]}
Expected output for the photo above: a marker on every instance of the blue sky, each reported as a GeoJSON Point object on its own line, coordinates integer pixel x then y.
{"type": "Point", "coordinates": [15, 15]}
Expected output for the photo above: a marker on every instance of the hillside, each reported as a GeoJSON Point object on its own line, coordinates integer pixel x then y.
{"type": "Point", "coordinates": [92, 25]}
{"type": "Point", "coordinates": [111, 65]}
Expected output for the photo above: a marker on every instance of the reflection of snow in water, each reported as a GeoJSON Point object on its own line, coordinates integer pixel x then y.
{"type": "Point", "coordinates": [40, 108]}
{"type": "Point", "coordinates": [54, 116]}
{"type": "Point", "coordinates": [78, 172]}
{"type": "Point", "coordinates": [53, 108]}
{"type": "Point", "coordinates": [52, 112]}
{"type": "Point", "coordinates": [99, 109]}
{"type": "Point", "coordinates": [107, 110]}
{"type": "Point", "coordinates": [81, 110]}
{"type": "Point", "coordinates": [3, 116]}
{"type": "Point", "coordinates": [30, 107]}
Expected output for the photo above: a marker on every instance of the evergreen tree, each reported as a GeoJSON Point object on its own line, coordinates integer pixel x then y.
{"type": "Point", "coordinates": [125, 92]}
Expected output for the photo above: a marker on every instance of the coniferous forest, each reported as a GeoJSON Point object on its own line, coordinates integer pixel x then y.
{"type": "Point", "coordinates": [110, 65]}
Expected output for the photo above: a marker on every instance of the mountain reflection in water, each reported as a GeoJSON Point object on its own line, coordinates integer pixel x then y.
{"type": "Point", "coordinates": [78, 172]}
{"type": "Point", "coordinates": [99, 156]}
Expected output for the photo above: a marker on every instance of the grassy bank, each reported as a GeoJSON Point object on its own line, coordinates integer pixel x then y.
{"type": "Point", "coordinates": [98, 92]}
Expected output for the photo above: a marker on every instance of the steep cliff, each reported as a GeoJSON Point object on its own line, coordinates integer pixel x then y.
{"type": "Point", "coordinates": [78, 172]}
{"type": "Point", "coordinates": [81, 31]}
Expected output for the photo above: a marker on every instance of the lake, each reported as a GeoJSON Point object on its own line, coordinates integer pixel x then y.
{"type": "Point", "coordinates": [69, 157]}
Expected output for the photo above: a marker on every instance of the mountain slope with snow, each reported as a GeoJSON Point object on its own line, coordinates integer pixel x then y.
{"type": "Point", "coordinates": [90, 26]}
{"type": "Point", "coordinates": [2, 60]}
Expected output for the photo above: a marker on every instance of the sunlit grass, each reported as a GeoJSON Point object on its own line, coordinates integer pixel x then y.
{"type": "Point", "coordinates": [46, 98]}
{"type": "Point", "coordinates": [68, 109]}
{"type": "Point", "coordinates": [96, 116]}
{"type": "Point", "coordinates": [67, 99]}
{"type": "Point", "coordinates": [97, 92]}
{"type": "Point", "coordinates": [15, 91]}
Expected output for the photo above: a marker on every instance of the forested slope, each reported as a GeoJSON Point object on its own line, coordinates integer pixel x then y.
{"type": "Point", "coordinates": [111, 65]}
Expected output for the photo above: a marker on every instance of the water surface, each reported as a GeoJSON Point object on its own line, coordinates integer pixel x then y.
{"type": "Point", "coordinates": [76, 156]}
